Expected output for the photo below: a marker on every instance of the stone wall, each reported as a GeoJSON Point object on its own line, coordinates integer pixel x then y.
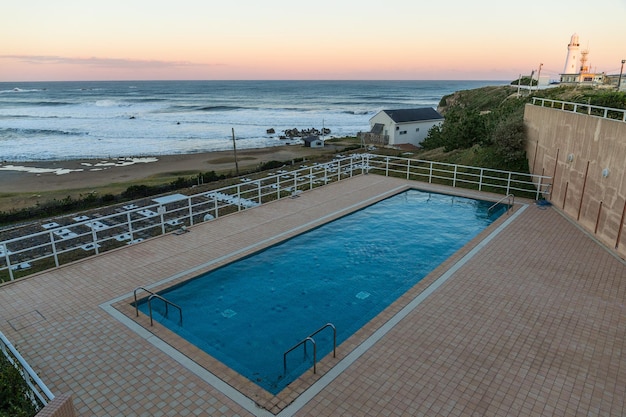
{"type": "Point", "coordinates": [61, 406]}
{"type": "Point", "coordinates": [586, 157]}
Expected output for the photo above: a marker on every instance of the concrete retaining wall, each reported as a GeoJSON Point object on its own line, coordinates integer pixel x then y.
{"type": "Point", "coordinates": [575, 149]}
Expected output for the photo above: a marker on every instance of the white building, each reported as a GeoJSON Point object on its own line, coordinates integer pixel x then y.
{"type": "Point", "coordinates": [396, 127]}
{"type": "Point", "coordinates": [572, 62]}
{"type": "Point", "coordinates": [313, 142]}
{"type": "Point", "coordinates": [577, 69]}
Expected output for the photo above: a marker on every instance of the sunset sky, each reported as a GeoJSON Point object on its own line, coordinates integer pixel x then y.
{"type": "Point", "coordinates": [44, 40]}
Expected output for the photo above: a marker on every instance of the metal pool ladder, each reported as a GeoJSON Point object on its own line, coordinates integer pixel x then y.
{"type": "Point", "coordinates": [157, 296]}
{"type": "Point", "coordinates": [510, 203]}
{"type": "Point", "coordinates": [309, 338]}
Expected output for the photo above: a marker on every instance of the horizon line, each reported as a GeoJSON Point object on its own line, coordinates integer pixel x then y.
{"type": "Point", "coordinates": [259, 79]}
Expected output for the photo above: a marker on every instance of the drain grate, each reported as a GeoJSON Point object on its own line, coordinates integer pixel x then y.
{"type": "Point", "coordinates": [26, 320]}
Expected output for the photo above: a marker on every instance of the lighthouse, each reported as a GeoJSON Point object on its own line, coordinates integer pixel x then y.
{"type": "Point", "coordinates": [573, 55]}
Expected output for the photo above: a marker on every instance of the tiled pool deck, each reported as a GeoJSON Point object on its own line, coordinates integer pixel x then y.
{"type": "Point", "coordinates": [530, 320]}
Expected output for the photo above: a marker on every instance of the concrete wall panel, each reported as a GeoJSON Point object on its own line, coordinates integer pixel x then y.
{"type": "Point", "coordinates": [574, 149]}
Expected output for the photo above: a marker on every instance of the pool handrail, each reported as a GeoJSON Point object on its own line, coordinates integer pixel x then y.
{"type": "Point", "coordinates": [310, 338]}
{"type": "Point", "coordinates": [511, 203]}
{"type": "Point", "coordinates": [303, 341]}
{"type": "Point", "coordinates": [334, 336]}
{"type": "Point", "coordinates": [135, 295]}
{"type": "Point", "coordinates": [166, 301]}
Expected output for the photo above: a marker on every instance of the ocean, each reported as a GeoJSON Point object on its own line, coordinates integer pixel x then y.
{"type": "Point", "coordinates": [110, 119]}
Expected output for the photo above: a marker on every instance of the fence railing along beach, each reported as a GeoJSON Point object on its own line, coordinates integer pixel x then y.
{"type": "Point", "coordinates": [588, 109]}
{"type": "Point", "coordinates": [63, 240]}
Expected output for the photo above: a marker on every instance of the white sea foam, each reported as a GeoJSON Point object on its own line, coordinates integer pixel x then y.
{"type": "Point", "coordinates": [57, 121]}
{"type": "Point", "coordinates": [99, 166]}
{"type": "Point", "coordinates": [36, 170]}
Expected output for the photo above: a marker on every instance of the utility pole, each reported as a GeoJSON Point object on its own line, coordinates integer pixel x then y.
{"type": "Point", "coordinates": [235, 152]}
{"type": "Point", "coordinates": [619, 81]}
{"type": "Point", "coordinates": [539, 75]}
{"type": "Point", "coordinates": [519, 83]}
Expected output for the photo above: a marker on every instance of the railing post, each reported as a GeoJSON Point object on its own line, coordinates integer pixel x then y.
{"type": "Point", "coordinates": [508, 184]}
{"type": "Point", "coordinates": [216, 209]}
{"type": "Point", "coordinates": [238, 197]}
{"type": "Point", "coordinates": [161, 211]}
{"type": "Point", "coordinates": [190, 211]}
{"type": "Point", "coordinates": [94, 238]}
{"type": "Point", "coordinates": [386, 166]}
{"type": "Point", "coordinates": [408, 169]}
{"type": "Point", "coordinates": [538, 188]}
{"type": "Point", "coordinates": [430, 172]}
{"type": "Point", "coordinates": [339, 170]}
{"type": "Point", "coordinates": [54, 249]}
{"type": "Point", "coordinates": [8, 260]}
{"type": "Point", "coordinates": [258, 187]}
{"type": "Point", "coordinates": [130, 225]}
{"type": "Point", "coordinates": [454, 179]}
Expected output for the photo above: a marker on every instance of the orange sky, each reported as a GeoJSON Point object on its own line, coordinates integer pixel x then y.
{"type": "Point", "coordinates": [279, 39]}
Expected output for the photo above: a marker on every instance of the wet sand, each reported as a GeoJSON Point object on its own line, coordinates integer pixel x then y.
{"type": "Point", "coordinates": [86, 173]}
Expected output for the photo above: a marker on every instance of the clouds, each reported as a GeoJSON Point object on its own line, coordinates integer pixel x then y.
{"type": "Point", "coordinates": [24, 67]}
{"type": "Point", "coordinates": [96, 62]}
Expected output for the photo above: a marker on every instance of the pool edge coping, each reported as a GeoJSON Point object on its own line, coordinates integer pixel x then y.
{"type": "Point", "coordinates": [315, 388]}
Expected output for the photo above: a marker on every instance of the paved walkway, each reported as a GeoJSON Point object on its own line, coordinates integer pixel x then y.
{"type": "Point", "coordinates": [528, 319]}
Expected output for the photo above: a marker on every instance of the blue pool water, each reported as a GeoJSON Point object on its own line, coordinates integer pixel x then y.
{"type": "Point", "coordinates": [248, 313]}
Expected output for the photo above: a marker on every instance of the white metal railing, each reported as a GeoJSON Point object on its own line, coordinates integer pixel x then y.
{"type": "Point", "coordinates": [599, 111]}
{"type": "Point", "coordinates": [65, 240]}
{"type": "Point", "coordinates": [39, 394]}
{"type": "Point", "coordinates": [483, 179]}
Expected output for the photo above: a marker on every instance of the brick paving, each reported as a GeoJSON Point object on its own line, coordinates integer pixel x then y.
{"type": "Point", "coordinates": [533, 324]}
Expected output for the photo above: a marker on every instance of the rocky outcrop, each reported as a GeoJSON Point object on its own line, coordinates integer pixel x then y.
{"type": "Point", "coordinates": [295, 133]}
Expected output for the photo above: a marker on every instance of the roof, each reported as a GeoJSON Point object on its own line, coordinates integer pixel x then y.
{"type": "Point", "coordinates": [377, 129]}
{"type": "Point", "coordinates": [310, 139]}
{"type": "Point", "coordinates": [413, 115]}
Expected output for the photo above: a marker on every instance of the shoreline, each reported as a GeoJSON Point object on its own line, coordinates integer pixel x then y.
{"type": "Point", "coordinates": [49, 175]}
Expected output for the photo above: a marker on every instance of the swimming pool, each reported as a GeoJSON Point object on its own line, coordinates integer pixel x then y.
{"type": "Point", "coordinates": [249, 313]}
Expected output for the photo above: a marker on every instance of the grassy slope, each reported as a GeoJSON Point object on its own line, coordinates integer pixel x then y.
{"type": "Point", "coordinates": [493, 99]}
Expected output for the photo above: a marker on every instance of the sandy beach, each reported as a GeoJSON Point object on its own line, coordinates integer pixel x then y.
{"type": "Point", "coordinates": [38, 176]}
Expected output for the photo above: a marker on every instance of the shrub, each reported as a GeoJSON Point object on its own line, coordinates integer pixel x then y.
{"type": "Point", "coordinates": [271, 165]}
{"type": "Point", "coordinates": [136, 191]}
{"type": "Point", "coordinates": [14, 399]}
{"type": "Point", "coordinates": [461, 129]}
{"type": "Point", "coordinates": [508, 139]}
